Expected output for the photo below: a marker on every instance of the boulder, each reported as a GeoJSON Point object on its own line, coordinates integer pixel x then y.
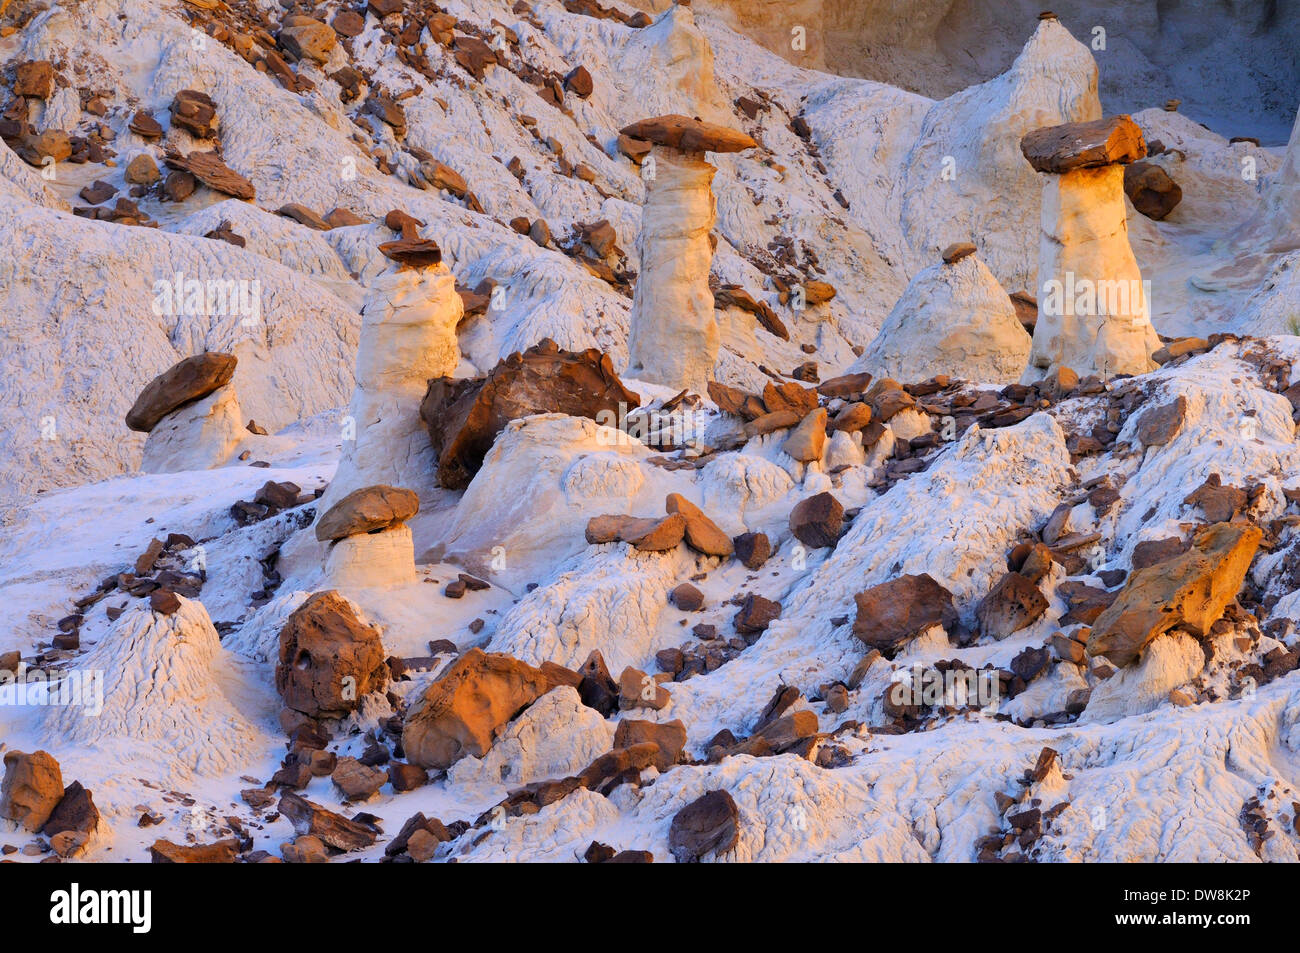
{"type": "Point", "coordinates": [306, 38]}
{"type": "Point", "coordinates": [219, 852]}
{"type": "Point", "coordinates": [186, 381]}
{"type": "Point", "coordinates": [357, 781]}
{"type": "Point", "coordinates": [329, 660]}
{"type": "Point", "coordinates": [686, 597]}
{"type": "Point", "coordinates": [209, 169]}
{"type": "Point", "coordinates": [1012, 604]}
{"type": "Point", "coordinates": [366, 510]}
{"type": "Point", "coordinates": [753, 549]}
{"type": "Point", "coordinates": [1084, 145]}
{"type": "Point", "coordinates": [636, 689]}
{"type": "Point", "coordinates": [708, 825]}
{"type": "Point", "coordinates": [647, 535]}
{"type": "Point", "coordinates": [807, 441]}
{"type": "Point", "coordinates": [688, 135]}
{"type": "Point", "coordinates": [43, 148]}
{"type": "Point", "coordinates": [195, 112]}
{"type": "Point", "coordinates": [142, 170]}
{"type": "Point", "coordinates": [755, 615]}
{"type": "Point", "coordinates": [817, 520]}
{"type": "Point", "coordinates": [333, 829]}
{"type": "Point", "coordinates": [578, 81]}
{"type": "Point", "coordinates": [1190, 591]}
{"type": "Point", "coordinates": [34, 78]}
{"type": "Point", "coordinates": [464, 710]}
{"type": "Point", "coordinates": [895, 612]}
{"type": "Point", "coordinates": [75, 814]}
{"type": "Point", "coordinates": [669, 737]}
{"type": "Point", "coordinates": [702, 534]}
{"type": "Point", "coordinates": [32, 789]}
{"type": "Point", "coordinates": [1159, 425]}
{"type": "Point", "coordinates": [1219, 503]}
{"type": "Point", "coordinates": [463, 417]}
{"type": "Point", "coordinates": [1151, 190]}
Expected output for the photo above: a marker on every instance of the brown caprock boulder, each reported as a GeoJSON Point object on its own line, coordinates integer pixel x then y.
{"type": "Point", "coordinates": [465, 416]}
{"type": "Point", "coordinates": [366, 510]}
{"type": "Point", "coordinates": [1190, 591]}
{"type": "Point", "coordinates": [462, 712]}
{"type": "Point", "coordinates": [185, 381]}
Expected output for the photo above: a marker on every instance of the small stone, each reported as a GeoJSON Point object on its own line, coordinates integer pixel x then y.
{"type": "Point", "coordinates": [755, 615]}
{"type": "Point", "coordinates": [164, 601]}
{"type": "Point", "coordinates": [687, 598]}
{"type": "Point", "coordinates": [708, 825]}
{"type": "Point", "coordinates": [752, 549]}
{"type": "Point", "coordinates": [817, 520]}
{"type": "Point", "coordinates": [957, 251]}
{"type": "Point", "coordinates": [636, 689]}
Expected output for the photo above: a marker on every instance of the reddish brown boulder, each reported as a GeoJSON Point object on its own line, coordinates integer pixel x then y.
{"type": "Point", "coordinates": [1012, 604]}
{"type": "Point", "coordinates": [464, 416]}
{"type": "Point", "coordinates": [1158, 425]}
{"type": "Point", "coordinates": [462, 713]}
{"type": "Point", "coordinates": [1084, 145]}
{"type": "Point", "coordinates": [817, 520]}
{"type": "Point", "coordinates": [753, 549]}
{"type": "Point", "coordinates": [578, 81]}
{"type": "Point", "coordinates": [184, 382]}
{"type": "Point", "coordinates": [208, 168]}
{"type": "Point", "coordinates": [1190, 591]}
{"type": "Point", "coordinates": [144, 125]}
{"type": "Point", "coordinates": [357, 781]}
{"type": "Point", "coordinates": [220, 852]}
{"type": "Point", "coordinates": [195, 112]}
{"type": "Point", "coordinates": [1151, 190]}
{"type": "Point", "coordinates": [328, 658]}
{"type": "Point", "coordinates": [648, 535]}
{"type": "Point", "coordinates": [333, 829]}
{"type": "Point", "coordinates": [702, 534]}
{"type": "Point", "coordinates": [686, 597]}
{"type": "Point", "coordinates": [32, 789]}
{"type": "Point", "coordinates": [755, 615]}
{"type": "Point", "coordinates": [34, 78]}
{"type": "Point", "coordinates": [366, 510]}
{"type": "Point", "coordinates": [75, 814]}
{"type": "Point", "coordinates": [670, 737]}
{"type": "Point", "coordinates": [791, 396]}
{"type": "Point", "coordinates": [688, 135]}
{"type": "Point", "coordinates": [1219, 503]}
{"type": "Point", "coordinates": [709, 824]}
{"type": "Point", "coordinates": [895, 612]}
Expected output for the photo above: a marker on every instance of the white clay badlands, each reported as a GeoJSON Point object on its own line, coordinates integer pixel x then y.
{"type": "Point", "coordinates": [563, 430]}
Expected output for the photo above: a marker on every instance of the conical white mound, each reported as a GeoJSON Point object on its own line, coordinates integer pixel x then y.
{"type": "Point", "coordinates": [160, 693]}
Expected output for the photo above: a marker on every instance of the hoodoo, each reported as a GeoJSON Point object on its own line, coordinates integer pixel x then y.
{"type": "Point", "coordinates": [1093, 313]}
{"type": "Point", "coordinates": [675, 336]}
